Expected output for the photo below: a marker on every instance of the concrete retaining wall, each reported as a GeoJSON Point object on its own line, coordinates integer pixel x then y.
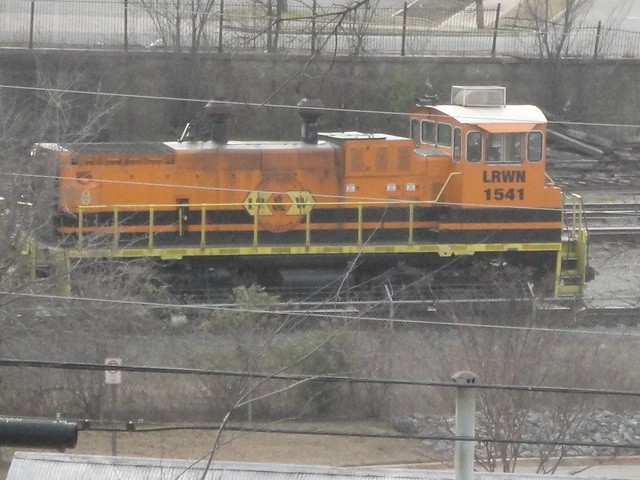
{"type": "Point", "coordinates": [602, 91]}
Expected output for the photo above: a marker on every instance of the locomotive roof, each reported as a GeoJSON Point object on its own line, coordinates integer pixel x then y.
{"type": "Point", "coordinates": [244, 145]}
{"type": "Point", "coordinates": [155, 148]}
{"type": "Point", "coordinates": [359, 136]}
{"type": "Point", "coordinates": [114, 148]}
{"type": "Point", "coordinates": [516, 114]}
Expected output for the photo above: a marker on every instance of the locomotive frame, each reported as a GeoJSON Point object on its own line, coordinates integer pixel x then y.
{"type": "Point", "coordinates": [470, 179]}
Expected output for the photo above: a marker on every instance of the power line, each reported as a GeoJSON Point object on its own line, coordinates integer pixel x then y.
{"type": "Point", "coordinates": [343, 200]}
{"type": "Point", "coordinates": [134, 427]}
{"type": "Point", "coordinates": [320, 315]}
{"type": "Point", "coordinates": [273, 105]}
{"type": "Point", "coordinates": [6, 362]}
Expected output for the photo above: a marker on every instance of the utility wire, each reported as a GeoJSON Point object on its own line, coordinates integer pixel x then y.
{"type": "Point", "coordinates": [338, 199]}
{"type": "Point", "coordinates": [321, 315]}
{"type": "Point", "coordinates": [273, 105]}
{"type": "Point", "coordinates": [6, 362]}
{"type": "Point", "coordinates": [133, 427]}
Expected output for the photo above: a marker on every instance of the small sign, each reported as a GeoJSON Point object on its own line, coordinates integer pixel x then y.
{"type": "Point", "coordinates": [85, 198]}
{"type": "Point", "coordinates": [113, 377]}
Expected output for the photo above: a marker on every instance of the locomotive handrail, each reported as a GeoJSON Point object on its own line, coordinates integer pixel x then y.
{"type": "Point", "coordinates": [152, 209]}
{"type": "Point", "coordinates": [444, 186]}
{"type": "Point", "coordinates": [573, 260]}
{"type": "Point", "coordinates": [549, 179]}
{"type": "Point", "coordinates": [578, 219]}
{"type": "Point", "coordinates": [116, 226]}
{"type": "Point", "coordinates": [160, 206]}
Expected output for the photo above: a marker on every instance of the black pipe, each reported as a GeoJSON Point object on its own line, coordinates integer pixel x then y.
{"type": "Point", "coordinates": [37, 433]}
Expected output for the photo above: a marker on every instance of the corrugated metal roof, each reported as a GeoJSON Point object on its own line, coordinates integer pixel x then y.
{"type": "Point", "coordinates": [52, 466]}
{"type": "Point", "coordinates": [59, 466]}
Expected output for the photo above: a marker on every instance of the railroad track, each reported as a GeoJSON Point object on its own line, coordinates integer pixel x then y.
{"type": "Point", "coordinates": [420, 313]}
{"type": "Point", "coordinates": [612, 220]}
{"type": "Point", "coordinates": [609, 211]}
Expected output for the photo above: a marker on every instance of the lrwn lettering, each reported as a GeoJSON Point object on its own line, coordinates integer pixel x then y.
{"type": "Point", "coordinates": [504, 176]}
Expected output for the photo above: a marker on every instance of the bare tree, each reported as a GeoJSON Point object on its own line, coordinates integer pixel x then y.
{"type": "Point", "coordinates": [522, 354]}
{"type": "Point", "coordinates": [356, 27]}
{"type": "Point", "coordinates": [66, 117]}
{"type": "Point", "coordinates": [555, 23]}
{"type": "Point", "coordinates": [176, 19]}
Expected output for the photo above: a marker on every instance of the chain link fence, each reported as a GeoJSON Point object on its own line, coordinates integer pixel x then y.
{"type": "Point", "coordinates": [296, 28]}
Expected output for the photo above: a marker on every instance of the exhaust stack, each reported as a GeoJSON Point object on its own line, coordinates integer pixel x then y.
{"type": "Point", "coordinates": [310, 111]}
{"type": "Point", "coordinates": [219, 111]}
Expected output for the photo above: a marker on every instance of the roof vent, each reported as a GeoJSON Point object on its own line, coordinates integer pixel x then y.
{"type": "Point", "coordinates": [479, 96]}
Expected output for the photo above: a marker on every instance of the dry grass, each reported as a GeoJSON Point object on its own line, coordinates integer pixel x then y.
{"type": "Point", "coordinates": [257, 447]}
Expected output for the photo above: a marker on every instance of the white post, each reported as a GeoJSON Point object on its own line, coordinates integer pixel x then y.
{"type": "Point", "coordinates": [463, 457]}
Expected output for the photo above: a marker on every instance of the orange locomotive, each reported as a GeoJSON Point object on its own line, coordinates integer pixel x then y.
{"type": "Point", "coordinates": [471, 178]}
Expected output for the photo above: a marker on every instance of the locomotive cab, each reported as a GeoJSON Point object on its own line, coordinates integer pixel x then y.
{"type": "Point", "coordinates": [496, 150]}
{"type": "Point", "coordinates": [490, 158]}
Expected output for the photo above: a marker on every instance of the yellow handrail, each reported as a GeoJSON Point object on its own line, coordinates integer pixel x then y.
{"type": "Point", "coordinates": [411, 223]}
{"type": "Point", "coordinates": [578, 220]}
{"type": "Point", "coordinates": [80, 226]}
{"type": "Point", "coordinates": [151, 225]}
{"type": "Point", "coordinates": [203, 230]}
{"type": "Point", "coordinates": [445, 185]}
{"type": "Point", "coordinates": [116, 228]}
{"type": "Point", "coordinates": [119, 210]}
{"type": "Point", "coordinates": [359, 224]}
{"type": "Point", "coordinates": [304, 211]}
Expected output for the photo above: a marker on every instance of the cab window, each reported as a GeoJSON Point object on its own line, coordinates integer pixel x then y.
{"type": "Point", "coordinates": [474, 146]}
{"type": "Point", "coordinates": [457, 144]}
{"type": "Point", "coordinates": [429, 132]}
{"type": "Point", "coordinates": [415, 131]}
{"type": "Point", "coordinates": [504, 148]}
{"type": "Point", "coordinates": [444, 135]}
{"type": "Point", "coordinates": [534, 146]}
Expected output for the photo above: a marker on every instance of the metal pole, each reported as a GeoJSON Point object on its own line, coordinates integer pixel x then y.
{"type": "Point", "coordinates": [313, 26]}
{"type": "Point", "coordinates": [595, 49]}
{"type": "Point", "coordinates": [126, 25]}
{"type": "Point", "coordinates": [269, 26]}
{"type": "Point", "coordinates": [495, 32]}
{"type": "Point", "coordinates": [463, 458]}
{"type": "Point", "coordinates": [220, 25]}
{"type": "Point", "coordinates": [389, 340]}
{"type": "Point", "coordinates": [404, 29]}
{"type": "Point", "coordinates": [114, 400]}
{"type": "Point", "coordinates": [31, 22]}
